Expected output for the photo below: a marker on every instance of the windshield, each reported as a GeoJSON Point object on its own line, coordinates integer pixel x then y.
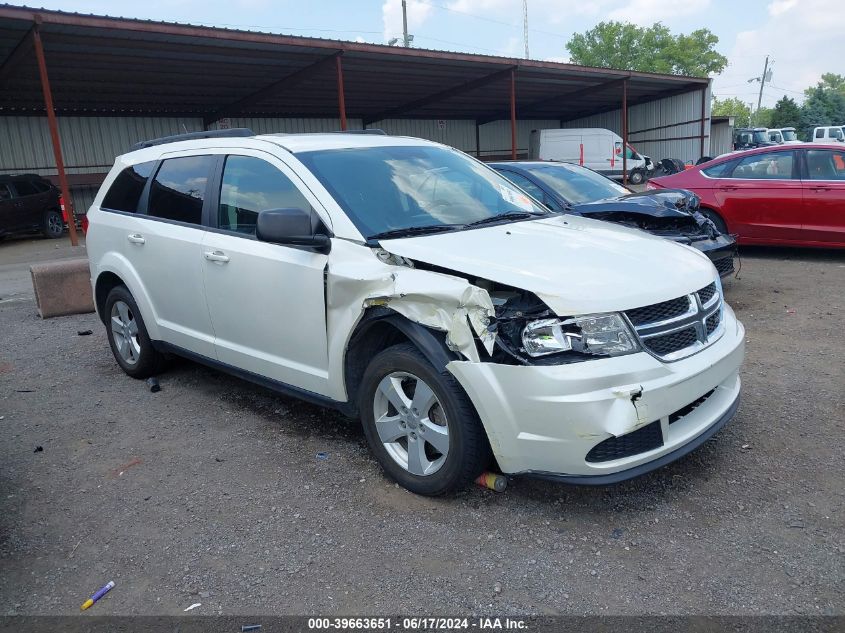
{"type": "Point", "coordinates": [577, 185]}
{"type": "Point", "coordinates": [789, 135]}
{"type": "Point", "coordinates": [760, 137]}
{"type": "Point", "coordinates": [392, 188]}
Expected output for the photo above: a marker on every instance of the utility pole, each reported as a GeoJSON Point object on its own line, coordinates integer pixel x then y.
{"type": "Point", "coordinates": [525, 25]}
{"type": "Point", "coordinates": [405, 37]}
{"type": "Point", "coordinates": [762, 83]}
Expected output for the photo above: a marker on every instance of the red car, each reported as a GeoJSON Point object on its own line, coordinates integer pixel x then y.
{"type": "Point", "coordinates": [783, 195]}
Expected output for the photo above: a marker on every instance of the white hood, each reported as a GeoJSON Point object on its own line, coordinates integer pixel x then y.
{"type": "Point", "coordinates": [574, 264]}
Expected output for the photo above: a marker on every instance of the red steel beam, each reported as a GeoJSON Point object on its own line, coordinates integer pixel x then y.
{"type": "Point", "coordinates": [513, 114]}
{"type": "Point", "coordinates": [625, 132]}
{"type": "Point", "coordinates": [54, 135]}
{"type": "Point", "coordinates": [341, 98]}
{"type": "Point", "coordinates": [703, 108]}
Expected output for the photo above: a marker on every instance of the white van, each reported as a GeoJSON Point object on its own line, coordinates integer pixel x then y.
{"type": "Point", "coordinates": [596, 148]}
{"type": "Point", "coordinates": [828, 134]}
{"type": "Point", "coordinates": [784, 135]}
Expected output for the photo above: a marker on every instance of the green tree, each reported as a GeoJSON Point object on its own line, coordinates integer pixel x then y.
{"type": "Point", "coordinates": [786, 113]}
{"type": "Point", "coordinates": [732, 107]}
{"type": "Point", "coordinates": [647, 49]}
{"type": "Point", "coordinates": [763, 117]}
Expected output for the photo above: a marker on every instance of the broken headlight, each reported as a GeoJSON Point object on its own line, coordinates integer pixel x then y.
{"type": "Point", "coordinates": [596, 334]}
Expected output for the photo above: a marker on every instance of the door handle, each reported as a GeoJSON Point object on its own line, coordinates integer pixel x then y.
{"type": "Point", "coordinates": [136, 238]}
{"type": "Point", "coordinates": [819, 188]}
{"type": "Point", "coordinates": [216, 256]}
{"type": "Point", "coordinates": [728, 188]}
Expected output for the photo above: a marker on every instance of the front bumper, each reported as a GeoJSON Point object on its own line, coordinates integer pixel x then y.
{"type": "Point", "coordinates": [545, 420]}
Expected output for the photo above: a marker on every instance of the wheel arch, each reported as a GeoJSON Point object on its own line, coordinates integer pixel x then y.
{"type": "Point", "coordinates": [708, 208]}
{"type": "Point", "coordinates": [115, 270]}
{"type": "Point", "coordinates": [380, 328]}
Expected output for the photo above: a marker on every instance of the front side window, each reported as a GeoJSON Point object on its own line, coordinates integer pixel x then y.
{"type": "Point", "coordinates": [825, 164]}
{"type": "Point", "coordinates": [25, 188]}
{"type": "Point", "coordinates": [250, 186]}
{"type": "Point", "coordinates": [577, 185]}
{"type": "Point", "coordinates": [395, 188]}
{"type": "Point", "coordinates": [126, 190]}
{"type": "Point", "coordinates": [5, 193]}
{"type": "Point", "coordinates": [771, 166]}
{"type": "Point", "coordinates": [522, 182]}
{"type": "Point", "coordinates": [179, 189]}
{"type": "Point", "coordinates": [836, 133]}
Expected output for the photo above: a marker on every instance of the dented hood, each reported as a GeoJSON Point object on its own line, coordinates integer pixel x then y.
{"type": "Point", "coordinates": [574, 264]}
{"type": "Point", "coordinates": [662, 203]}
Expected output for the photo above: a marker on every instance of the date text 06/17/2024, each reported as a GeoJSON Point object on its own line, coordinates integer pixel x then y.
{"type": "Point", "coordinates": [416, 623]}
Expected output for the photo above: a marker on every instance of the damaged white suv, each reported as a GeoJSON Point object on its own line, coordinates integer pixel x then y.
{"type": "Point", "coordinates": [404, 282]}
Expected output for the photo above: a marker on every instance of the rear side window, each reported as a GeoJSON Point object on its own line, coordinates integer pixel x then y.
{"type": "Point", "coordinates": [40, 187]}
{"type": "Point", "coordinates": [719, 171]}
{"type": "Point", "coordinates": [820, 133]}
{"type": "Point", "coordinates": [5, 193]}
{"type": "Point", "coordinates": [250, 186]}
{"type": "Point", "coordinates": [771, 166]}
{"type": "Point", "coordinates": [25, 188]}
{"type": "Point", "coordinates": [125, 192]}
{"type": "Point", "coordinates": [179, 189]}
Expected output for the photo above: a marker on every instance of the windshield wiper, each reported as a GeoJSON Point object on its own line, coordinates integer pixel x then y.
{"type": "Point", "coordinates": [413, 230]}
{"type": "Point", "coordinates": [510, 215]}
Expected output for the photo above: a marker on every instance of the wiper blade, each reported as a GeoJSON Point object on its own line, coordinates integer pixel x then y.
{"type": "Point", "coordinates": [414, 230]}
{"type": "Point", "coordinates": [511, 215]}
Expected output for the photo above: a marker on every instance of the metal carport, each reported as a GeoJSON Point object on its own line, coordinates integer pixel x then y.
{"type": "Point", "coordinates": [97, 66]}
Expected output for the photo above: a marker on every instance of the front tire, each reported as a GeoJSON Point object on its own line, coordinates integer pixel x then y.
{"type": "Point", "coordinates": [53, 226]}
{"type": "Point", "coordinates": [420, 424]}
{"type": "Point", "coordinates": [128, 336]}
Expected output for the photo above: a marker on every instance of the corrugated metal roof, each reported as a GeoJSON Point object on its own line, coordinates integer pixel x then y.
{"type": "Point", "coordinates": [100, 64]}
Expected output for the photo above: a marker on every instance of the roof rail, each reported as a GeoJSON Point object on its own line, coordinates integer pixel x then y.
{"type": "Point", "coordinates": [235, 132]}
{"type": "Point", "coordinates": [371, 130]}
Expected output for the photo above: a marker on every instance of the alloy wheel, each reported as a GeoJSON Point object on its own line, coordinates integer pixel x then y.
{"type": "Point", "coordinates": [124, 329]}
{"type": "Point", "coordinates": [411, 423]}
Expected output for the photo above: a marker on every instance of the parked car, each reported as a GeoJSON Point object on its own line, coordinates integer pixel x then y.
{"type": "Point", "coordinates": [596, 148]}
{"type": "Point", "coordinates": [408, 284]}
{"type": "Point", "coordinates": [828, 134]}
{"type": "Point", "coordinates": [749, 138]}
{"type": "Point", "coordinates": [783, 135]}
{"type": "Point", "coordinates": [29, 203]}
{"type": "Point", "coordinates": [672, 214]}
{"type": "Point", "coordinates": [789, 194]}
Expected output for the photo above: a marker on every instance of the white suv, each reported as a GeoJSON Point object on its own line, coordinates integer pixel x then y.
{"type": "Point", "coordinates": [405, 283]}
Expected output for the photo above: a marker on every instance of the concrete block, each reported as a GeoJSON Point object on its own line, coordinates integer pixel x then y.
{"type": "Point", "coordinates": [62, 287]}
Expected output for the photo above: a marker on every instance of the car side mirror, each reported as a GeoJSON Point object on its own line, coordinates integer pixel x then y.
{"type": "Point", "coordinates": [293, 227]}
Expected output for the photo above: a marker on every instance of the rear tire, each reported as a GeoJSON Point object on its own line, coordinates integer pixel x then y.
{"type": "Point", "coordinates": [128, 336]}
{"type": "Point", "coordinates": [716, 219]}
{"type": "Point", "coordinates": [428, 436]}
{"type": "Point", "coordinates": [53, 226]}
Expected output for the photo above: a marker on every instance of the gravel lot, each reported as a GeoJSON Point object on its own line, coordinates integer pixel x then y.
{"type": "Point", "coordinates": [210, 491]}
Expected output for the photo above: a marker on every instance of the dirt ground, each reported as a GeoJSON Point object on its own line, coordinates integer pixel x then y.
{"type": "Point", "coordinates": [211, 490]}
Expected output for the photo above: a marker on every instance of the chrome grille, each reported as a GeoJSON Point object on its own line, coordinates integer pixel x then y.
{"type": "Point", "coordinates": [675, 329]}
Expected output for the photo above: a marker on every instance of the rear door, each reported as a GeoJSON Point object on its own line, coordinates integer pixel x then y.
{"type": "Point", "coordinates": [27, 207]}
{"type": "Point", "coordinates": [600, 153]}
{"type": "Point", "coordinates": [267, 301]}
{"type": "Point", "coordinates": [762, 197]}
{"type": "Point", "coordinates": [8, 209]}
{"type": "Point", "coordinates": [824, 196]}
{"type": "Point", "coordinates": [164, 245]}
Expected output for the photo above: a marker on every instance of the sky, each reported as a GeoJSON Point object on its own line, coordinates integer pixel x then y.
{"type": "Point", "coordinates": [804, 38]}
